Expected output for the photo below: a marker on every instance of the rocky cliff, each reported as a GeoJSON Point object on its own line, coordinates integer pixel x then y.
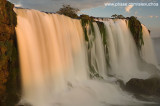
{"type": "Point", "coordinates": [9, 66]}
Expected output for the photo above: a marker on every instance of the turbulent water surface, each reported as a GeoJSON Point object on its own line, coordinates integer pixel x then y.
{"type": "Point", "coordinates": [56, 61]}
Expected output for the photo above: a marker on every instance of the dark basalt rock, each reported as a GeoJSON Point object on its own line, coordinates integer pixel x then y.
{"type": "Point", "coordinates": [136, 30]}
{"type": "Point", "coordinates": [9, 66]}
{"type": "Point", "coordinates": [148, 87]}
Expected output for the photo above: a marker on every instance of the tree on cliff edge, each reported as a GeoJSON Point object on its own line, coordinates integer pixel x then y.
{"type": "Point", "coordinates": [118, 16]}
{"type": "Point", "coordinates": [68, 11]}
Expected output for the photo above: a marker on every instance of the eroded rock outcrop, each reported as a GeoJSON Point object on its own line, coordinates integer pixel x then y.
{"type": "Point", "coordinates": [9, 66]}
{"type": "Point", "coordinates": [148, 87]}
{"type": "Point", "coordinates": [136, 30]}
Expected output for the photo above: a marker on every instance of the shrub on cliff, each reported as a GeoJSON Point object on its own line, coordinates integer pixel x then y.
{"type": "Point", "coordinates": [86, 17]}
{"type": "Point", "coordinates": [118, 16]}
{"type": "Point", "coordinates": [69, 11]}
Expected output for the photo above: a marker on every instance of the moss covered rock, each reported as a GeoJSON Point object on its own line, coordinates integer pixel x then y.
{"type": "Point", "coordinates": [86, 17]}
{"type": "Point", "coordinates": [9, 66]}
{"type": "Point", "coordinates": [103, 32]}
{"type": "Point", "coordinates": [136, 30]}
{"type": "Point", "coordinates": [87, 21]}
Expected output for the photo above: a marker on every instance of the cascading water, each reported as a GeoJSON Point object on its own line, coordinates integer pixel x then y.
{"type": "Point", "coordinates": [124, 58]}
{"type": "Point", "coordinates": [56, 61]}
{"type": "Point", "coordinates": [147, 50]}
{"type": "Point", "coordinates": [51, 51]}
{"type": "Point", "coordinates": [96, 53]}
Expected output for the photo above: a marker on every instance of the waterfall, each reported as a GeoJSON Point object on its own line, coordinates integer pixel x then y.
{"type": "Point", "coordinates": [147, 50]}
{"type": "Point", "coordinates": [124, 58]}
{"type": "Point", "coordinates": [96, 53]}
{"type": "Point", "coordinates": [56, 61]}
{"type": "Point", "coordinates": [52, 53]}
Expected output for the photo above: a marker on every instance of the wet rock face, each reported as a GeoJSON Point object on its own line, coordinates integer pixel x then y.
{"type": "Point", "coordinates": [148, 87]}
{"type": "Point", "coordinates": [9, 68]}
{"type": "Point", "coordinates": [136, 30]}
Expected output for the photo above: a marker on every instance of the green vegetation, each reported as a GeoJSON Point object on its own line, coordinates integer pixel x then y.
{"type": "Point", "coordinates": [87, 21]}
{"type": "Point", "coordinates": [114, 16]}
{"type": "Point", "coordinates": [136, 30]}
{"type": "Point", "coordinates": [88, 28]}
{"type": "Point", "coordinates": [69, 11]}
{"type": "Point", "coordinates": [103, 32]}
{"type": "Point", "coordinates": [118, 16]}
